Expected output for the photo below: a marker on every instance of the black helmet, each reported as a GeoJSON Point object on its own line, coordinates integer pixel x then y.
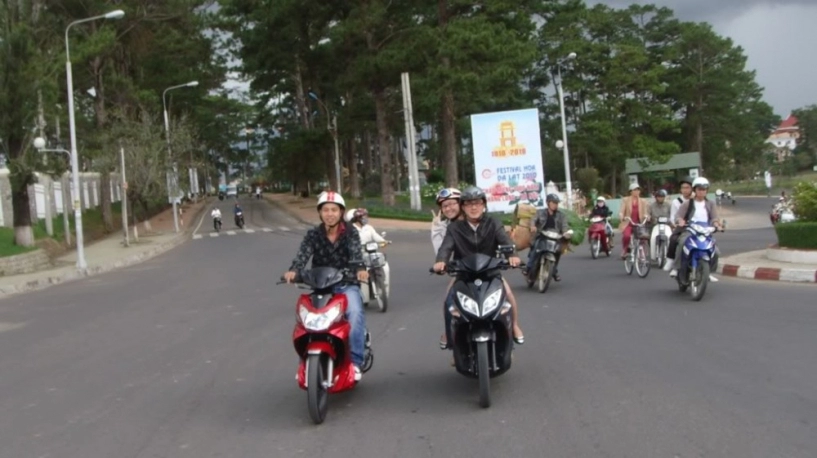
{"type": "Point", "coordinates": [661, 193]}
{"type": "Point", "coordinates": [687, 179]}
{"type": "Point", "coordinates": [473, 193]}
{"type": "Point", "coordinates": [553, 198]}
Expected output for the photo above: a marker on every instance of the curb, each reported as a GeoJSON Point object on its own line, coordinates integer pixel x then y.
{"type": "Point", "coordinates": [71, 274]}
{"type": "Point", "coordinates": [753, 272]}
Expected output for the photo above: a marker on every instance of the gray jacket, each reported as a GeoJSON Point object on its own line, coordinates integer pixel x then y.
{"type": "Point", "coordinates": [559, 218]}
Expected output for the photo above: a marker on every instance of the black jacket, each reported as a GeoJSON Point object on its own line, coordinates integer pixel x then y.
{"type": "Point", "coordinates": [604, 211]}
{"type": "Point", "coordinates": [345, 253]}
{"type": "Point", "coordinates": [461, 239]}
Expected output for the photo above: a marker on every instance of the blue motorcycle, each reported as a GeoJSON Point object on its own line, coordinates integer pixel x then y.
{"type": "Point", "coordinates": [697, 260]}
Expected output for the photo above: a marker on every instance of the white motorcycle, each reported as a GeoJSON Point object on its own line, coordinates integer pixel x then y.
{"type": "Point", "coordinates": [377, 289]}
{"type": "Point", "coordinates": [659, 241]}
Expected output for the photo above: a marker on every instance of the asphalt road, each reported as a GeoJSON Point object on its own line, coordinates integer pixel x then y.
{"type": "Point", "coordinates": [189, 355]}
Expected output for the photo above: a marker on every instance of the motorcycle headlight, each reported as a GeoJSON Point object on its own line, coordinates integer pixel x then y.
{"type": "Point", "coordinates": [491, 302]}
{"type": "Point", "coordinates": [468, 304]}
{"type": "Point", "coordinates": [319, 321]}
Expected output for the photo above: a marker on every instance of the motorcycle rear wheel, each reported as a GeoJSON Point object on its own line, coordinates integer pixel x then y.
{"type": "Point", "coordinates": [316, 394]}
{"type": "Point", "coordinates": [484, 375]}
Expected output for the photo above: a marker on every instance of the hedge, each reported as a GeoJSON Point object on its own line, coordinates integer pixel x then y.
{"type": "Point", "coordinates": [797, 234]}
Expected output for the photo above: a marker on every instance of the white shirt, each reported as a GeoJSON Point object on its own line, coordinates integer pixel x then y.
{"type": "Point", "coordinates": [673, 211]}
{"type": "Point", "coordinates": [216, 213]}
{"type": "Point", "coordinates": [700, 215]}
{"type": "Point", "coordinates": [368, 234]}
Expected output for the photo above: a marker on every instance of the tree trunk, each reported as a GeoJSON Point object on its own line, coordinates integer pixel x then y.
{"type": "Point", "coordinates": [386, 181]}
{"type": "Point", "coordinates": [300, 95]}
{"type": "Point", "coordinates": [97, 67]}
{"type": "Point", "coordinates": [354, 179]}
{"type": "Point", "coordinates": [21, 206]}
{"type": "Point", "coordinates": [449, 156]}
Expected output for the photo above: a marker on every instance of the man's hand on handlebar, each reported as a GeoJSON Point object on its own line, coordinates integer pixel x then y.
{"type": "Point", "coordinates": [289, 277]}
{"type": "Point", "coordinates": [363, 276]}
{"type": "Point", "coordinates": [514, 261]}
{"type": "Point", "coordinates": [439, 267]}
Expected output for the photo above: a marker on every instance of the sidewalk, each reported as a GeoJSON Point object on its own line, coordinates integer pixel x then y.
{"type": "Point", "coordinates": [305, 211]}
{"type": "Point", "coordinates": [110, 253]}
{"type": "Point", "coordinates": [755, 265]}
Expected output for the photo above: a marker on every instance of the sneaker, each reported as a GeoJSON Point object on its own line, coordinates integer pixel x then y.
{"type": "Point", "coordinates": [713, 279]}
{"type": "Point", "coordinates": [673, 273]}
{"type": "Point", "coordinates": [358, 374]}
{"type": "Point", "coordinates": [668, 266]}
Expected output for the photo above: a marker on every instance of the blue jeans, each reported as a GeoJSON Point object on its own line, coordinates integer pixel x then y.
{"type": "Point", "coordinates": [357, 320]}
{"type": "Point", "coordinates": [449, 301]}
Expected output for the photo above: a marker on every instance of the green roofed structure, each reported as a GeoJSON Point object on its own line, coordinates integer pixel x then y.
{"type": "Point", "coordinates": [655, 173]}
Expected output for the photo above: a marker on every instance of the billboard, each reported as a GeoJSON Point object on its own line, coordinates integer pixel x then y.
{"type": "Point", "coordinates": [508, 158]}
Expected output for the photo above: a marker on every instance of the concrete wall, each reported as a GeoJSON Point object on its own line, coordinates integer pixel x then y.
{"type": "Point", "coordinates": [48, 193]}
{"type": "Point", "coordinates": [24, 263]}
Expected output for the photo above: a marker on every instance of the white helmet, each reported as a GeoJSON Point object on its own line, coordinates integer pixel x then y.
{"type": "Point", "coordinates": [700, 182]}
{"type": "Point", "coordinates": [600, 199]}
{"type": "Point", "coordinates": [634, 186]}
{"type": "Point", "coordinates": [349, 215]}
{"type": "Point", "coordinates": [331, 197]}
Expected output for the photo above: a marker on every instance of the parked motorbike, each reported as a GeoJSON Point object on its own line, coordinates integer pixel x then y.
{"type": "Point", "coordinates": [597, 237]}
{"type": "Point", "coordinates": [377, 290]}
{"type": "Point", "coordinates": [481, 323]}
{"type": "Point", "coordinates": [659, 241]}
{"type": "Point", "coordinates": [546, 245]}
{"type": "Point", "coordinates": [321, 339]}
{"type": "Point", "coordinates": [697, 260]}
{"type": "Point", "coordinates": [239, 220]}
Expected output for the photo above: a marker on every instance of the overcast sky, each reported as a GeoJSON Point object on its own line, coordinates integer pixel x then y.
{"type": "Point", "coordinates": [778, 36]}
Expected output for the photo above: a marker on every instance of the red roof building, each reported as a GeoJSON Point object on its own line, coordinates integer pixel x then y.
{"type": "Point", "coordinates": [784, 138]}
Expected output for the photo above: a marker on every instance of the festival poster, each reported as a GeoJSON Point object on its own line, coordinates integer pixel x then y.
{"type": "Point", "coordinates": [508, 158]}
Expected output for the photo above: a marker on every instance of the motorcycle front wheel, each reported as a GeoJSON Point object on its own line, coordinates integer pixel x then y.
{"type": "Point", "coordinates": [595, 248]}
{"type": "Point", "coordinates": [484, 375]}
{"type": "Point", "coordinates": [316, 395]}
{"type": "Point", "coordinates": [379, 290]}
{"type": "Point", "coordinates": [699, 281]}
{"type": "Point", "coordinates": [545, 274]}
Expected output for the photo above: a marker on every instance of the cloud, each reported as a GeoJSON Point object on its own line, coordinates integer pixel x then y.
{"type": "Point", "coordinates": [777, 36]}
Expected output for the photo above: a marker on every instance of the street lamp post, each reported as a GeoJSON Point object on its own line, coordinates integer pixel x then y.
{"type": "Point", "coordinates": [565, 150]}
{"type": "Point", "coordinates": [172, 177]}
{"type": "Point", "coordinates": [333, 128]}
{"type": "Point", "coordinates": [117, 14]}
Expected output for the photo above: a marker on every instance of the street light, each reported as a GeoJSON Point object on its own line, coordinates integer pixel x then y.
{"type": "Point", "coordinates": [172, 181]}
{"type": "Point", "coordinates": [569, 183]}
{"type": "Point", "coordinates": [116, 14]}
{"type": "Point", "coordinates": [333, 128]}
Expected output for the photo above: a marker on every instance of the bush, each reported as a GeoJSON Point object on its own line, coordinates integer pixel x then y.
{"type": "Point", "coordinates": [805, 201]}
{"type": "Point", "coordinates": [797, 234]}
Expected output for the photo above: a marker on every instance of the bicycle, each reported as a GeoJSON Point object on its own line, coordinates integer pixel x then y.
{"type": "Point", "coordinates": [639, 255]}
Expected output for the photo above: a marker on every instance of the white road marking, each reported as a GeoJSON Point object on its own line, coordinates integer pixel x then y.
{"type": "Point", "coordinates": [230, 232]}
{"type": "Point", "coordinates": [214, 234]}
{"type": "Point", "coordinates": [197, 236]}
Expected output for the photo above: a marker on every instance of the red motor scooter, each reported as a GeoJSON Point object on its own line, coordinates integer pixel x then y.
{"type": "Point", "coordinates": [597, 236]}
{"type": "Point", "coordinates": [321, 339]}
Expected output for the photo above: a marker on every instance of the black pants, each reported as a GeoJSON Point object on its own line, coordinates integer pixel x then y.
{"type": "Point", "coordinates": [558, 256]}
